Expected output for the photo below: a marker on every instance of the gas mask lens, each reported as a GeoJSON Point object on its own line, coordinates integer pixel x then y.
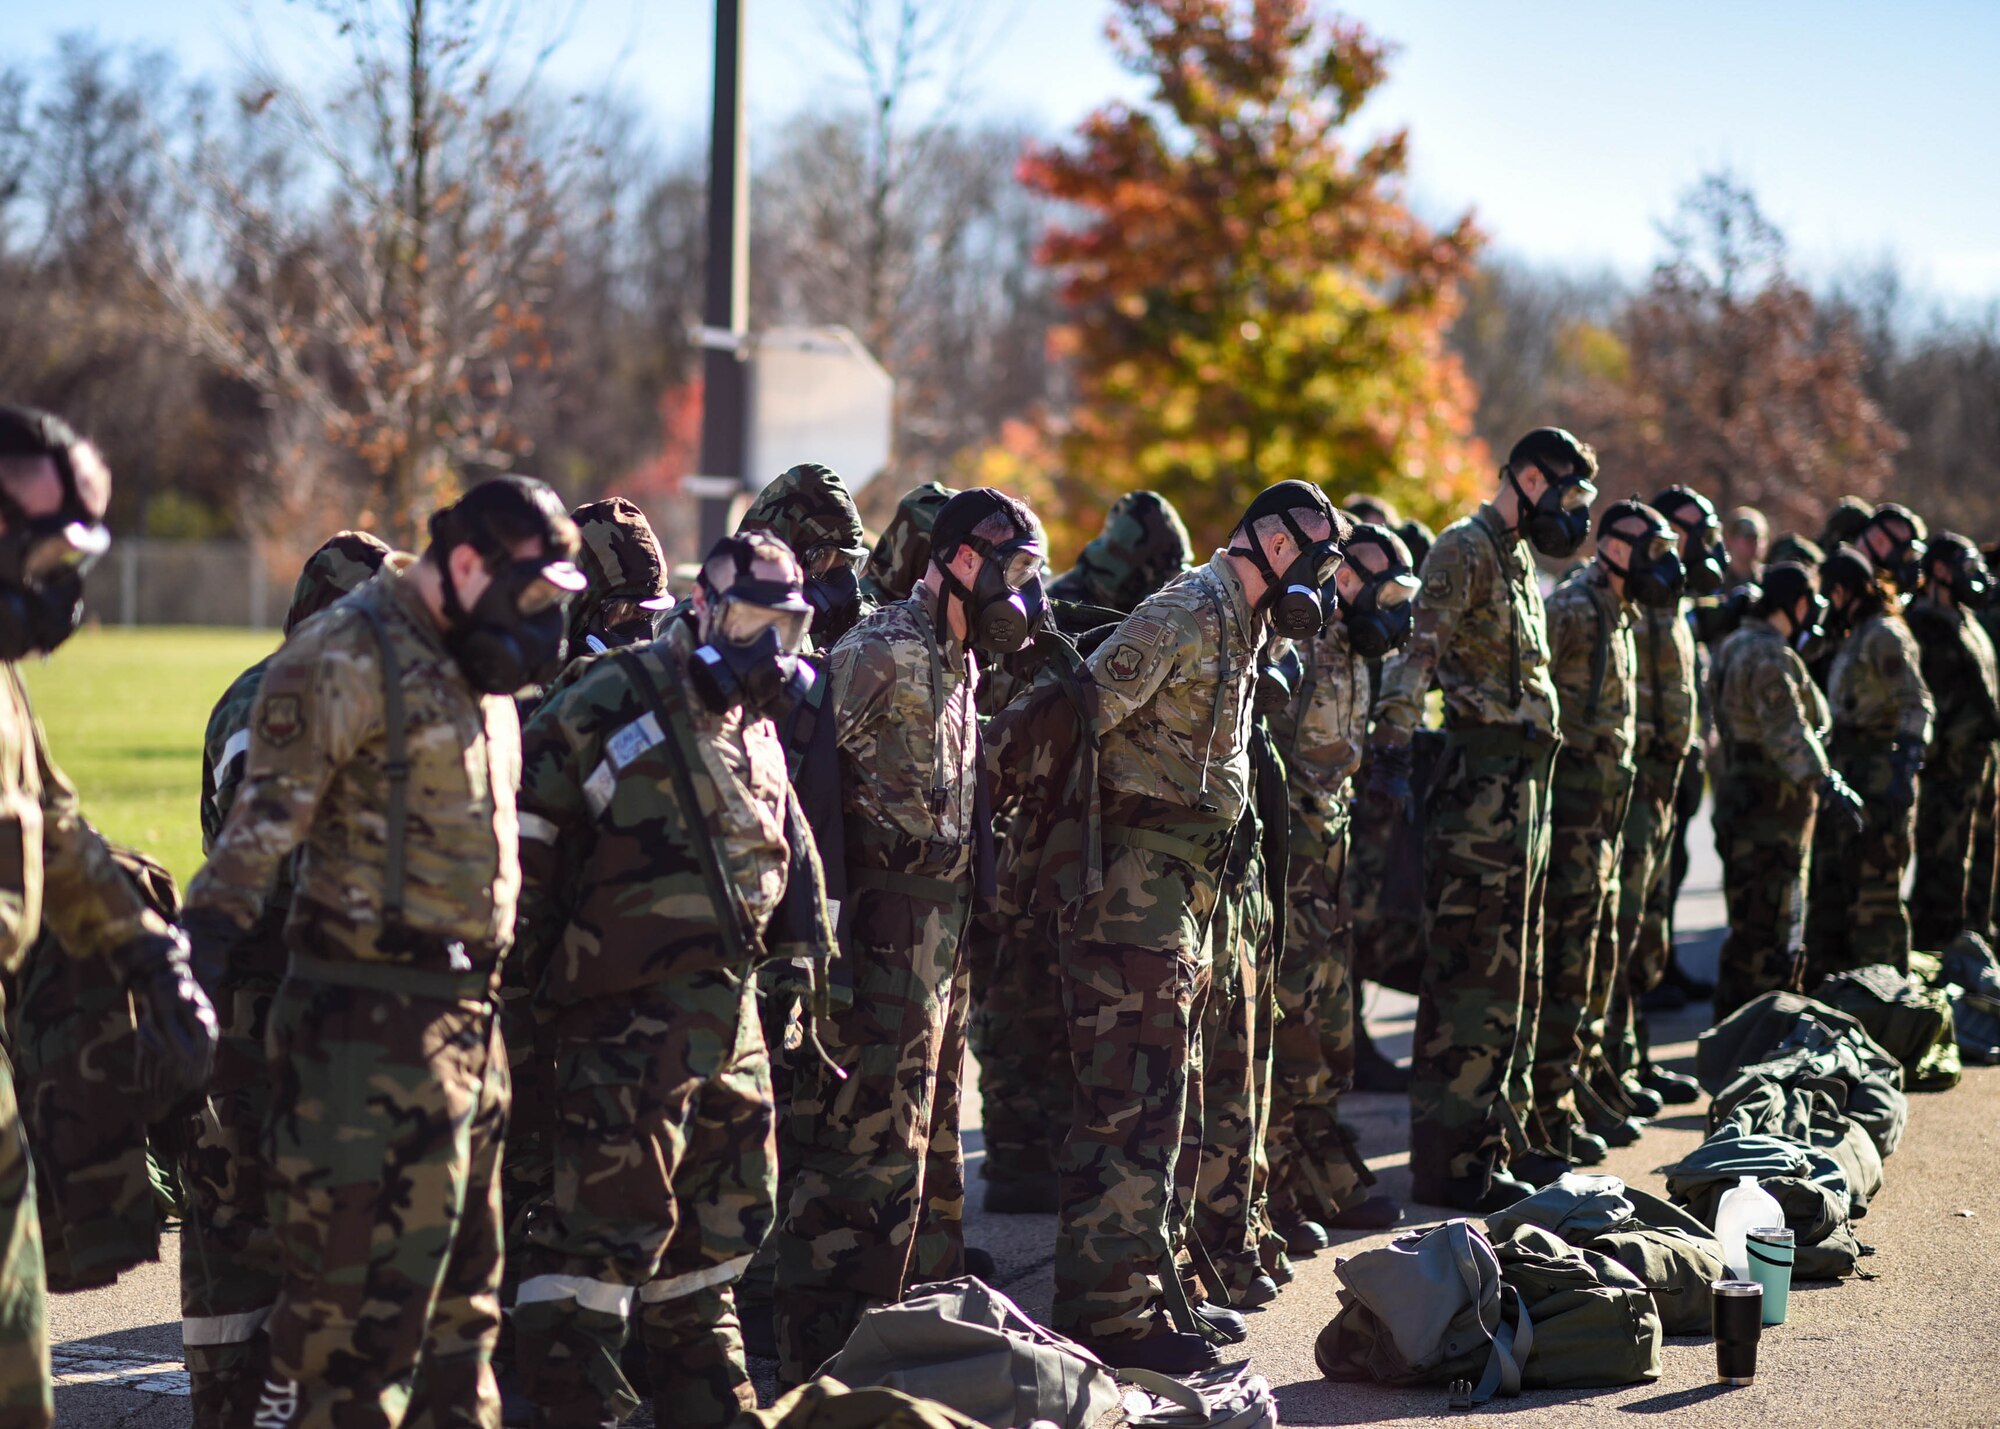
{"type": "Point", "coordinates": [741, 623]}
{"type": "Point", "coordinates": [1577, 494]}
{"type": "Point", "coordinates": [64, 548]}
{"type": "Point", "coordinates": [824, 559]}
{"type": "Point", "coordinates": [1397, 590]}
{"type": "Point", "coordinates": [541, 586]}
{"type": "Point", "coordinates": [1019, 565]}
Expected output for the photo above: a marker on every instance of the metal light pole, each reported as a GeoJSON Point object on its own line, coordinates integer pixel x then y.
{"type": "Point", "coordinates": [726, 312]}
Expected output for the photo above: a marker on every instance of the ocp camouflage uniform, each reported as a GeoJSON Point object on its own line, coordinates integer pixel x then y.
{"type": "Point", "coordinates": [903, 553]}
{"type": "Point", "coordinates": [1174, 687]}
{"type": "Point", "coordinates": [1595, 669]}
{"type": "Point", "coordinates": [1018, 1030]}
{"type": "Point", "coordinates": [1320, 734]}
{"type": "Point", "coordinates": [663, 1147]}
{"type": "Point", "coordinates": [880, 1198]}
{"type": "Point", "coordinates": [63, 877]}
{"type": "Point", "coordinates": [1480, 631]}
{"type": "Point", "coordinates": [1856, 915]}
{"type": "Point", "coordinates": [229, 1253]}
{"type": "Point", "coordinates": [1772, 720]}
{"type": "Point", "coordinates": [1664, 645]}
{"type": "Point", "coordinates": [1959, 669]}
{"type": "Point", "coordinates": [385, 1187]}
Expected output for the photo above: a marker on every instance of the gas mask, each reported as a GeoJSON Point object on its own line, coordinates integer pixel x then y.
{"type": "Point", "coordinates": [1558, 520]}
{"type": "Point", "coordinates": [1809, 639]}
{"type": "Point", "coordinates": [1707, 559]}
{"type": "Point", "coordinates": [1005, 605]}
{"type": "Point", "coordinates": [623, 621]}
{"type": "Point", "coordinates": [1378, 619]}
{"type": "Point", "coordinates": [513, 635]}
{"type": "Point", "coordinates": [833, 590]}
{"type": "Point", "coordinates": [42, 565]}
{"type": "Point", "coordinates": [1653, 575]}
{"type": "Point", "coordinates": [1970, 581]}
{"type": "Point", "coordinates": [43, 559]}
{"type": "Point", "coordinates": [1903, 562]}
{"type": "Point", "coordinates": [749, 656]}
{"type": "Point", "coordinates": [1300, 599]}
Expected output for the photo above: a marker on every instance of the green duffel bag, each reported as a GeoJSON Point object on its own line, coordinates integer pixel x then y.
{"type": "Point", "coordinates": [1908, 1018]}
{"type": "Point", "coordinates": [1970, 976]}
{"type": "Point", "coordinates": [1806, 1182]}
{"type": "Point", "coordinates": [1670, 1251]}
{"type": "Point", "coordinates": [1591, 1322]}
{"type": "Point", "coordinates": [826, 1403]}
{"type": "Point", "coordinates": [1805, 1110]}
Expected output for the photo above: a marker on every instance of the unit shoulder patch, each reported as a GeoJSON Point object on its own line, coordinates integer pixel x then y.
{"type": "Point", "coordinates": [281, 718]}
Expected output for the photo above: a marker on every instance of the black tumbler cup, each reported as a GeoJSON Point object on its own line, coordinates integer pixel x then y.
{"type": "Point", "coordinates": [1739, 1318]}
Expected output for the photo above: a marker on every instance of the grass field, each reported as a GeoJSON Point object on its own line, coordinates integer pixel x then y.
{"type": "Point", "coordinates": [125, 711]}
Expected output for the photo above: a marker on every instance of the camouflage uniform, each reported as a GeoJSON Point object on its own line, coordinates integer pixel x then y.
{"type": "Point", "coordinates": [385, 1189]}
{"type": "Point", "coordinates": [229, 1254]}
{"type": "Point", "coordinates": [1481, 632]}
{"type": "Point", "coordinates": [903, 553]}
{"type": "Point", "coordinates": [1855, 915]}
{"type": "Point", "coordinates": [1019, 1034]}
{"type": "Point", "coordinates": [880, 1199]}
{"type": "Point", "coordinates": [664, 1157]}
{"type": "Point", "coordinates": [1772, 719]}
{"type": "Point", "coordinates": [1595, 669]}
{"type": "Point", "coordinates": [1959, 670]}
{"type": "Point", "coordinates": [1320, 735]}
{"type": "Point", "coordinates": [1663, 642]}
{"type": "Point", "coordinates": [808, 506]}
{"type": "Point", "coordinates": [62, 876]}
{"type": "Point", "coordinates": [620, 555]}
{"type": "Point", "coordinates": [1174, 686]}
{"type": "Point", "coordinates": [1232, 1181]}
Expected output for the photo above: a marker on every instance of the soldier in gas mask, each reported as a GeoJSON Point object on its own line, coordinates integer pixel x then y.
{"type": "Point", "coordinates": [620, 556]}
{"type": "Point", "coordinates": [54, 491]}
{"type": "Point", "coordinates": [1882, 715]}
{"type": "Point", "coordinates": [1594, 663]}
{"type": "Point", "coordinates": [1953, 891]}
{"type": "Point", "coordinates": [384, 741]}
{"type": "Point", "coordinates": [1774, 783]}
{"type": "Point", "coordinates": [1667, 743]}
{"type": "Point", "coordinates": [879, 1202]}
{"type": "Point", "coordinates": [1480, 631]}
{"type": "Point", "coordinates": [1319, 1181]}
{"type": "Point", "coordinates": [664, 857]}
{"type": "Point", "coordinates": [229, 1265]}
{"type": "Point", "coordinates": [1175, 683]}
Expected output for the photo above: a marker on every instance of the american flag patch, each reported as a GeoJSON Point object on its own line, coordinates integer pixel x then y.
{"type": "Point", "coordinates": [1144, 628]}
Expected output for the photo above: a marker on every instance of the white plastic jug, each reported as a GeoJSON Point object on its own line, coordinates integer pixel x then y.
{"type": "Point", "coordinates": [1743, 1208]}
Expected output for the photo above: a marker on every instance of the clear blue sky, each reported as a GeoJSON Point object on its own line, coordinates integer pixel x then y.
{"type": "Point", "coordinates": [1570, 127]}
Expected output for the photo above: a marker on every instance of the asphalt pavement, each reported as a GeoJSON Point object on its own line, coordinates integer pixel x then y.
{"type": "Point", "coordinates": [1919, 1344]}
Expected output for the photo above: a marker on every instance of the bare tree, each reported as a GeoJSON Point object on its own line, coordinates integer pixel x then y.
{"type": "Point", "coordinates": [1735, 379]}
{"type": "Point", "coordinates": [400, 312]}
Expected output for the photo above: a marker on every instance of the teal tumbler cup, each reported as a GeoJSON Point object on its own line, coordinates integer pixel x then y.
{"type": "Point", "coordinates": [1770, 1250]}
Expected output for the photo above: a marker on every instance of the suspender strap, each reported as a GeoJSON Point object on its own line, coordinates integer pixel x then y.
{"type": "Point", "coordinates": [396, 815]}
{"type": "Point", "coordinates": [1653, 653]}
{"type": "Point", "coordinates": [1513, 617]}
{"type": "Point", "coordinates": [745, 943]}
{"type": "Point", "coordinates": [1187, 850]}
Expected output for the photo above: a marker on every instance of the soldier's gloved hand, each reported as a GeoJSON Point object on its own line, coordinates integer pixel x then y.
{"type": "Point", "coordinates": [211, 938]}
{"type": "Point", "coordinates": [1837, 800]}
{"type": "Point", "coordinates": [1389, 769]}
{"type": "Point", "coordinates": [177, 1026]}
{"type": "Point", "coordinates": [1906, 761]}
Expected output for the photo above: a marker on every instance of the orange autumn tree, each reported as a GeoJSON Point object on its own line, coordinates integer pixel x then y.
{"type": "Point", "coordinates": [1250, 297]}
